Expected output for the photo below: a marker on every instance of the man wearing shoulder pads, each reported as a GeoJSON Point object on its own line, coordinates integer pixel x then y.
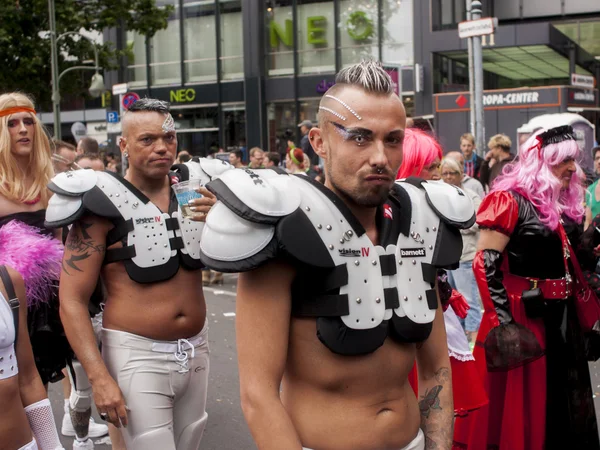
{"type": "Point", "coordinates": [324, 353]}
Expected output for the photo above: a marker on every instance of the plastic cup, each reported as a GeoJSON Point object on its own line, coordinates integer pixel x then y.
{"type": "Point", "coordinates": [186, 191]}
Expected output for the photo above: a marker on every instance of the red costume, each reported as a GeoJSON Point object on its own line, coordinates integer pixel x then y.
{"type": "Point", "coordinates": [530, 348]}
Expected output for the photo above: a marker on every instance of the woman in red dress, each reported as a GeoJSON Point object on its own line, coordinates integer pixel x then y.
{"type": "Point", "coordinates": [531, 348]}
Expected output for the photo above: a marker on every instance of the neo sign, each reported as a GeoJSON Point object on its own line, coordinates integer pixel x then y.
{"type": "Point", "coordinates": [182, 95]}
{"type": "Point", "coordinates": [479, 27]}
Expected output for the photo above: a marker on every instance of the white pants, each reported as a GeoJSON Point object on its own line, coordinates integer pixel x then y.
{"type": "Point", "coordinates": [417, 443]}
{"type": "Point", "coordinates": [31, 446]}
{"type": "Point", "coordinates": [164, 385]}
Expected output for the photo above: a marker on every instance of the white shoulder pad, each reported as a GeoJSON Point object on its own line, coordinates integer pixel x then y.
{"type": "Point", "coordinates": [451, 203]}
{"type": "Point", "coordinates": [73, 183]}
{"type": "Point", "coordinates": [228, 238]}
{"type": "Point", "coordinates": [261, 196]}
{"type": "Point", "coordinates": [63, 209]}
{"type": "Point", "coordinates": [214, 167]}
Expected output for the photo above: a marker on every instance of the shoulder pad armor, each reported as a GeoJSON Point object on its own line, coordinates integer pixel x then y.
{"type": "Point", "coordinates": [449, 202]}
{"type": "Point", "coordinates": [63, 209]}
{"type": "Point", "coordinates": [213, 167]}
{"type": "Point", "coordinates": [73, 183]}
{"type": "Point", "coordinates": [229, 243]}
{"type": "Point", "coordinates": [261, 196]}
{"type": "Point", "coordinates": [202, 169]}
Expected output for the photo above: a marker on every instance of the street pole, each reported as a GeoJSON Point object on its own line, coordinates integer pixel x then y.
{"type": "Point", "coordinates": [54, 66]}
{"type": "Point", "coordinates": [478, 75]}
{"type": "Point", "coordinates": [471, 76]}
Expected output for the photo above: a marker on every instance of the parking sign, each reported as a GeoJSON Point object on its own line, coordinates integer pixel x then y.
{"type": "Point", "coordinates": [112, 116]}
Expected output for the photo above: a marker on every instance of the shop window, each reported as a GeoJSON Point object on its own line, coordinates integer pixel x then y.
{"type": "Point", "coordinates": [165, 51]}
{"type": "Point", "coordinates": [279, 23]}
{"type": "Point", "coordinates": [197, 130]}
{"type": "Point", "coordinates": [316, 36]}
{"type": "Point", "coordinates": [234, 127]}
{"type": "Point", "coordinates": [358, 30]}
{"type": "Point", "coordinates": [136, 67]}
{"type": "Point", "coordinates": [282, 125]}
{"type": "Point", "coordinates": [200, 34]}
{"type": "Point", "coordinates": [397, 39]}
{"type": "Point", "coordinates": [232, 41]}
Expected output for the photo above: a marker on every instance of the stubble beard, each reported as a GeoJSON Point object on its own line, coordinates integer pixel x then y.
{"type": "Point", "coordinates": [373, 199]}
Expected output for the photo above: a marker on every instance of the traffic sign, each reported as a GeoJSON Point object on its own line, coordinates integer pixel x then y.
{"type": "Point", "coordinates": [119, 89]}
{"type": "Point", "coordinates": [112, 116]}
{"type": "Point", "coordinates": [479, 27]}
{"type": "Point", "coordinates": [129, 99]}
{"type": "Point", "coordinates": [585, 81]}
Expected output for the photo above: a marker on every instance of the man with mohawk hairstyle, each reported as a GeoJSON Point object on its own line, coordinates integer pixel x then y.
{"type": "Point", "coordinates": [355, 300]}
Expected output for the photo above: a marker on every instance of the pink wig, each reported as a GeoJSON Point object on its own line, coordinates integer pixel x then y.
{"type": "Point", "coordinates": [419, 151]}
{"type": "Point", "coordinates": [531, 176]}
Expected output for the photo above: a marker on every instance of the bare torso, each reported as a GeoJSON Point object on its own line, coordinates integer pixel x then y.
{"type": "Point", "coordinates": [14, 427]}
{"type": "Point", "coordinates": [168, 310]}
{"type": "Point", "coordinates": [340, 402]}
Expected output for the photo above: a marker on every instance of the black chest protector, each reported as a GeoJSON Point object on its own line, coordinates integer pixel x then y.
{"type": "Point", "coordinates": [360, 293]}
{"type": "Point", "coordinates": [154, 243]}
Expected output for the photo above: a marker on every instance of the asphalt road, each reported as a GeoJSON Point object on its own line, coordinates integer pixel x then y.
{"type": "Point", "coordinates": [226, 428]}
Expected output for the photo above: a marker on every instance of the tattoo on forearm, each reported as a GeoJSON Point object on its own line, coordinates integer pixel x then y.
{"type": "Point", "coordinates": [436, 419]}
{"type": "Point", "coordinates": [81, 246]}
{"type": "Point", "coordinates": [81, 421]}
{"type": "Point", "coordinates": [430, 401]}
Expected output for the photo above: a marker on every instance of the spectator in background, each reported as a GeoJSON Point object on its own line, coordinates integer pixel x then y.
{"type": "Point", "coordinates": [87, 145]}
{"type": "Point", "coordinates": [183, 156]}
{"type": "Point", "coordinates": [63, 157]}
{"type": "Point", "coordinates": [472, 165]}
{"type": "Point", "coordinates": [596, 156]}
{"type": "Point", "coordinates": [89, 162]}
{"type": "Point", "coordinates": [294, 162]}
{"type": "Point", "coordinates": [496, 159]}
{"type": "Point", "coordinates": [305, 145]}
{"type": "Point", "coordinates": [467, 181]}
{"type": "Point", "coordinates": [256, 158]}
{"type": "Point", "coordinates": [235, 159]}
{"type": "Point", "coordinates": [463, 278]}
{"type": "Point", "coordinates": [271, 159]}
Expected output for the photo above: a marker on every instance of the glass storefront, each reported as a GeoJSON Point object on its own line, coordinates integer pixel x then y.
{"type": "Point", "coordinates": [397, 39]}
{"type": "Point", "coordinates": [234, 126]}
{"type": "Point", "coordinates": [200, 63]}
{"type": "Point", "coordinates": [316, 37]}
{"type": "Point", "coordinates": [359, 28]}
{"type": "Point", "coordinates": [281, 125]}
{"type": "Point", "coordinates": [197, 130]}
{"type": "Point", "coordinates": [279, 23]}
{"type": "Point", "coordinates": [136, 69]}
{"type": "Point", "coordinates": [165, 51]}
{"type": "Point", "coordinates": [232, 40]}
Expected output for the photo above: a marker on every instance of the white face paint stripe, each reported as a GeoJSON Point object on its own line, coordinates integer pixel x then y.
{"type": "Point", "coordinates": [345, 105]}
{"type": "Point", "coordinates": [169, 124]}
{"type": "Point", "coordinates": [331, 111]}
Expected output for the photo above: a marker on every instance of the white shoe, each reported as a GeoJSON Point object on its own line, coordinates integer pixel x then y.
{"type": "Point", "coordinates": [88, 444]}
{"type": "Point", "coordinates": [95, 429]}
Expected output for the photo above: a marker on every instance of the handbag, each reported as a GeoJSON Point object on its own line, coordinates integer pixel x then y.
{"type": "Point", "coordinates": [587, 303]}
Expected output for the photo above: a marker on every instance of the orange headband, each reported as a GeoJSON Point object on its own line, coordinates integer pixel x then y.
{"type": "Point", "coordinates": [16, 109]}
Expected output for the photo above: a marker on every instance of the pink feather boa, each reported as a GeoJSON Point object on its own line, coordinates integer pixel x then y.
{"type": "Point", "coordinates": [36, 257]}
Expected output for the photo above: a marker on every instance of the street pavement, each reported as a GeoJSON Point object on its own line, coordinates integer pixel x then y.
{"type": "Point", "coordinates": [226, 428]}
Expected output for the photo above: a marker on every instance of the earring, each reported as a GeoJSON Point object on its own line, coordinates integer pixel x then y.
{"type": "Point", "coordinates": [126, 154]}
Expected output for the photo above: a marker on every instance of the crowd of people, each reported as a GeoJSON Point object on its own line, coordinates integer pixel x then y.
{"type": "Point", "coordinates": [465, 286]}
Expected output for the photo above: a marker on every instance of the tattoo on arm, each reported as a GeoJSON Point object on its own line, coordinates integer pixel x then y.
{"type": "Point", "coordinates": [81, 246]}
{"type": "Point", "coordinates": [436, 420]}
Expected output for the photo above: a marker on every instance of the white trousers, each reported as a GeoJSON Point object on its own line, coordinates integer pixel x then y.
{"type": "Point", "coordinates": [417, 443]}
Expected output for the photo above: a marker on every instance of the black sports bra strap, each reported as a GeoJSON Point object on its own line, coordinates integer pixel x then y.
{"type": "Point", "coordinates": [13, 300]}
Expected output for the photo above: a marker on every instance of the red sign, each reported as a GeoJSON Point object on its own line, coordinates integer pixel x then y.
{"type": "Point", "coordinates": [129, 99]}
{"type": "Point", "coordinates": [461, 101]}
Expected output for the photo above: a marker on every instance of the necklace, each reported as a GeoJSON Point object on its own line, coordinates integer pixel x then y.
{"type": "Point", "coordinates": [34, 201]}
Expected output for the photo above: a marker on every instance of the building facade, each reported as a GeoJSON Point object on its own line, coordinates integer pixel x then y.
{"type": "Point", "coordinates": [245, 73]}
{"type": "Point", "coordinates": [536, 47]}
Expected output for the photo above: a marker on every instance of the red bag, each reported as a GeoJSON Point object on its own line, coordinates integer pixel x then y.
{"type": "Point", "coordinates": [586, 302]}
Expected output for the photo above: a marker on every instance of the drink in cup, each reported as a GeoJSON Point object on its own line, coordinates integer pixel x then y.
{"type": "Point", "coordinates": [186, 191]}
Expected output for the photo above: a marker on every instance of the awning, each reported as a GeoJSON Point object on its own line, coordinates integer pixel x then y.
{"type": "Point", "coordinates": [533, 62]}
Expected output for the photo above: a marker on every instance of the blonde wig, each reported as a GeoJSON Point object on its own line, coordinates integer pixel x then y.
{"type": "Point", "coordinates": [39, 169]}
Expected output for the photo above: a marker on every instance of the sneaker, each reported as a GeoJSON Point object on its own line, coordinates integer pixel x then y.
{"type": "Point", "coordinates": [88, 444]}
{"type": "Point", "coordinates": [95, 429]}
